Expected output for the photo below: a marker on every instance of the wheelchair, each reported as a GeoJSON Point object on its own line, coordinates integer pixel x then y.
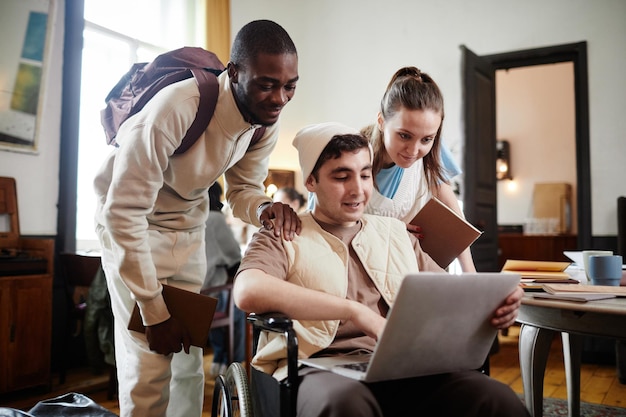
{"type": "Point", "coordinates": [261, 395]}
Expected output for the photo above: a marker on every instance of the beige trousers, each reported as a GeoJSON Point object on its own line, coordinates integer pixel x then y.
{"type": "Point", "coordinates": [151, 384]}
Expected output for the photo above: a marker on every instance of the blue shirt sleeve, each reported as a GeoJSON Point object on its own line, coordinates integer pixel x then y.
{"type": "Point", "coordinates": [388, 180]}
{"type": "Point", "coordinates": [451, 168]}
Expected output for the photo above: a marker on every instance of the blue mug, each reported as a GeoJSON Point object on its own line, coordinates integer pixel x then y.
{"type": "Point", "coordinates": [605, 269]}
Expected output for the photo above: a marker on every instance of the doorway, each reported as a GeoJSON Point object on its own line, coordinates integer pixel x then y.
{"type": "Point", "coordinates": [535, 116]}
{"type": "Point", "coordinates": [480, 199]}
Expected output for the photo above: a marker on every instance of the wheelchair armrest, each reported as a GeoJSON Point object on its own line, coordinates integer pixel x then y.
{"type": "Point", "coordinates": [271, 322]}
{"type": "Point", "coordinates": [280, 323]}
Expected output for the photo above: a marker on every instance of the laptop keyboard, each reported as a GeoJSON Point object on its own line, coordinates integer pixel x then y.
{"type": "Point", "coordinates": [358, 366]}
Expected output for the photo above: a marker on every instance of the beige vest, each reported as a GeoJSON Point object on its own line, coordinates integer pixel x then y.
{"type": "Point", "coordinates": [386, 252]}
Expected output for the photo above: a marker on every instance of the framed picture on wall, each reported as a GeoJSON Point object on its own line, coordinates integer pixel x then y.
{"type": "Point", "coordinates": [25, 27]}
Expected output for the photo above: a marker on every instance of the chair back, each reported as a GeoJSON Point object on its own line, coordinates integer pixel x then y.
{"type": "Point", "coordinates": [80, 270]}
{"type": "Point", "coordinates": [621, 225]}
{"type": "Point", "coordinates": [226, 317]}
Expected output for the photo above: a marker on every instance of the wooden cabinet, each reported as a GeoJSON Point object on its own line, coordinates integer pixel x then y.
{"type": "Point", "coordinates": [534, 247]}
{"type": "Point", "coordinates": [26, 320]}
{"type": "Point", "coordinates": [26, 270]}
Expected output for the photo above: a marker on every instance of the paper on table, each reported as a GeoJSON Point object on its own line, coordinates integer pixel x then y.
{"type": "Point", "coordinates": [575, 256]}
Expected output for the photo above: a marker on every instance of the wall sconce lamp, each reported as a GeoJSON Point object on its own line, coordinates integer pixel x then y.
{"type": "Point", "coordinates": [278, 178]}
{"type": "Point", "coordinates": [503, 160]}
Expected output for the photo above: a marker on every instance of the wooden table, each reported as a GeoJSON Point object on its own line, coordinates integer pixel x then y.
{"type": "Point", "coordinates": [541, 319]}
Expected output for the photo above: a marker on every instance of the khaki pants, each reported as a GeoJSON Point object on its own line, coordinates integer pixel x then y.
{"type": "Point", "coordinates": [151, 384]}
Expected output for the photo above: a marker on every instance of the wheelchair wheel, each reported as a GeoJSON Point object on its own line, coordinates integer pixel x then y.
{"type": "Point", "coordinates": [231, 396]}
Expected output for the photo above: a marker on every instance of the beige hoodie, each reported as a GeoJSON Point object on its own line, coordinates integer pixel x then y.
{"type": "Point", "coordinates": [142, 186]}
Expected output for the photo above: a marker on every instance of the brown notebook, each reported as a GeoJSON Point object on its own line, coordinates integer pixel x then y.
{"type": "Point", "coordinates": [194, 311]}
{"type": "Point", "coordinates": [446, 234]}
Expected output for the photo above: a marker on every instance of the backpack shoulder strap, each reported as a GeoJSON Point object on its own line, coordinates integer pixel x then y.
{"type": "Point", "coordinates": [256, 136]}
{"type": "Point", "coordinates": [209, 92]}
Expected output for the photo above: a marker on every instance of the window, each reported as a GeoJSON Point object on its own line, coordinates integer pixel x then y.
{"type": "Point", "coordinates": [117, 34]}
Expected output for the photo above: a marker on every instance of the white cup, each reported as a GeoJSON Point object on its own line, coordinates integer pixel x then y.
{"type": "Point", "coordinates": [588, 253]}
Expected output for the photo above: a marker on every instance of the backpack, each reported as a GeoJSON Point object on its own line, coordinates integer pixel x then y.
{"type": "Point", "coordinates": [144, 80]}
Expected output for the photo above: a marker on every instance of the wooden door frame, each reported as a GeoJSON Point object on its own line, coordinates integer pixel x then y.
{"type": "Point", "coordinates": [480, 190]}
{"type": "Point", "coordinates": [577, 54]}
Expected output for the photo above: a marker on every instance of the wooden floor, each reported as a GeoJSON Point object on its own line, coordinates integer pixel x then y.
{"type": "Point", "coordinates": [599, 383]}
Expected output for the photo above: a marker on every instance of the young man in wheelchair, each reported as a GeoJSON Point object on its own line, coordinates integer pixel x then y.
{"type": "Point", "coordinates": [323, 280]}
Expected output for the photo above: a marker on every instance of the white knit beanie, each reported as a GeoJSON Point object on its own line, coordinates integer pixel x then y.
{"type": "Point", "coordinates": [311, 141]}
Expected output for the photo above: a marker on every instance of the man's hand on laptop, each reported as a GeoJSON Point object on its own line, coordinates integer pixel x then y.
{"type": "Point", "coordinates": [371, 323]}
{"type": "Point", "coordinates": [504, 317]}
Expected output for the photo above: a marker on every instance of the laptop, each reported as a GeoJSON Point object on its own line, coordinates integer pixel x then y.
{"type": "Point", "coordinates": [438, 323]}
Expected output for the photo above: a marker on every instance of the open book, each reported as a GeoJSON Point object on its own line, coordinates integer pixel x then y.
{"type": "Point", "coordinates": [446, 234]}
{"type": "Point", "coordinates": [194, 311]}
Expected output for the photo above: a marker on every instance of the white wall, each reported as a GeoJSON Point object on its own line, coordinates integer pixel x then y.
{"type": "Point", "coordinates": [37, 175]}
{"type": "Point", "coordinates": [350, 48]}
